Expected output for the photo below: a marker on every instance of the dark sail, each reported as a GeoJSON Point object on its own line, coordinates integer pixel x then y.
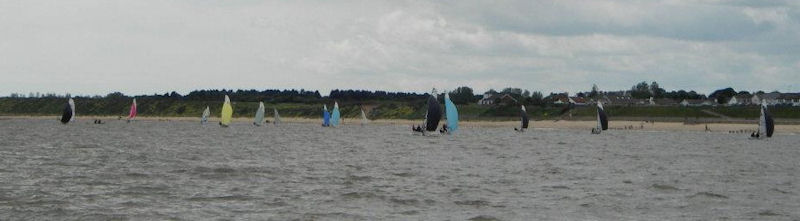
{"type": "Point", "coordinates": [434, 114]}
{"type": "Point", "coordinates": [603, 118]}
{"type": "Point", "coordinates": [67, 115]}
{"type": "Point", "coordinates": [524, 115]}
{"type": "Point", "coordinates": [770, 123]}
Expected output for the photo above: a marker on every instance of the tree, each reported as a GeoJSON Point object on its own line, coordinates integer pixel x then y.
{"type": "Point", "coordinates": [641, 91]}
{"type": "Point", "coordinates": [462, 95]}
{"type": "Point", "coordinates": [656, 91]}
{"type": "Point", "coordinates": [595, 91]}
{"type": "Point", "coordinates": [723, 95]}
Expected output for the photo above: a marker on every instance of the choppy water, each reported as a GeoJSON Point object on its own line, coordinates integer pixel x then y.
{"type": "Point", "coordinates": [184, 171]}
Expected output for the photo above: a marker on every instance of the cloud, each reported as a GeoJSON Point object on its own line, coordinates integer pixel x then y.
{"type": "Point", "coordinates": [95, 47]}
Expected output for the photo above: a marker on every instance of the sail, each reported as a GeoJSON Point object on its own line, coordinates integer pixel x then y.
{"type": "Point", "coordinates": [206, 114]}
{"type": "Point", "coordinates": [67, 114]}
{"type": "Point", "coordinates": [523, 118]}
{"type": "Point", "coordinates": [335, 115]}
{"type": "Point", "coordinates": [452, 114]}
{"type": "Point", "coordinates": [277, 116]}
{"type": "Point", "coordinates": [433, 115]}
{"type": "Point", "coordinates": [602, 119]}
{"type": "Point", "coordinates": [259, 114]}
{"type": "Point", "coordinates": [72, 106]}
{"type": "Point", "coordinates": [363, 118]}
{"type": "Point", "coordinates": [227, 112]}
{"type": "Point", "coordinates": [326, 116]}
{"type": "Point", "coordinates": [132, 112]}
{"type": "Point", "coordinates": [766, 125]}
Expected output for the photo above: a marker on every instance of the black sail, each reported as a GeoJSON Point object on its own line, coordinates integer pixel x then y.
{"type": "Point", "coordinates": [603, 118]}
{"type": "Point", "coordinates": [67, 115]}
{"type": "Point", "coordinates": [434, 114]}
{"type": "Point", "coordinates": [770, 123]}
{"type": "Point", "coordinates": [524, 115]}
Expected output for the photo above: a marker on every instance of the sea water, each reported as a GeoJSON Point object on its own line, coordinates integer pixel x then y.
{"type": "Point", "coordinates": [156, 170]}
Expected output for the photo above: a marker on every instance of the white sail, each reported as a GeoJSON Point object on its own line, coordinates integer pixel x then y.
{"type": "Point", "coordinates": [72, 105]}
{"type": "Point", "coordinates": [277, 116]}
{"type": "Point", "coordinates": [363, 118]}
{"type": "Point", "coordinates": [206, 114]}
{"type": "Point", "coordinates": [259, 114]}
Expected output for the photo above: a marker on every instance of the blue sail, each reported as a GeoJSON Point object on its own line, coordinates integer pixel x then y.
{"type": "Point", "coordinates": [452, 114]}
{"type": "Point", "coordinates": [326, 117]}
{"type": "Point", "coordinates": [335, 115]}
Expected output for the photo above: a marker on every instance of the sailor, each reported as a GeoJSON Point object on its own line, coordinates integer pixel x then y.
{"type": "Point", "coordinates": [444, 129]}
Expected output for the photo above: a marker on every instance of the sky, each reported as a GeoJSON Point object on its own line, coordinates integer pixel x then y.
{"type": "Point", "coordinates": [94, 47]}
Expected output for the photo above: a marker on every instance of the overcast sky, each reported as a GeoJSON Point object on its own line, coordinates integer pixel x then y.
{"type": "Point", "coordinates": [154, 46]}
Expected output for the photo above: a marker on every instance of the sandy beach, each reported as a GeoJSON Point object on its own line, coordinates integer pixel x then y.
{"type": "Point", "coordinates": [552, 124]}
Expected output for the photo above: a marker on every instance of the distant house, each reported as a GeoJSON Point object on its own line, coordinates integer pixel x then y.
{"type": "Point", "coordinates": [560, 98]}
{"type": "Point", "coordinates": [504, 99]}
{"type": "Point", "coordinates": [663, 102]}
{"type": "Point", "coordinates": [578, 100]}
{"type": "Point", "coordinates": [698, 102]}
{"type": "Point", "coordinates": [488, 99]}
{"type": "Point", "coordinates": [623, 100]}
{"type": "Point", "coordinates": [792, 99]}
{"type": "Point", "coordinates": [769, 98]}
{"type": "Point", "coordinates": [742, 99]}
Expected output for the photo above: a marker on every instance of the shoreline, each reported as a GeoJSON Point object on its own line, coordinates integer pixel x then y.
{"type": "Point", "coordinates": [740, 126]}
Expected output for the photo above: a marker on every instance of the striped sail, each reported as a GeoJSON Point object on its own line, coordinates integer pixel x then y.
{"type": "Point", "coordinates": [227, 112]}
{"type": "Point", "coordinates": [602, 119]}
{"type": "Point", "coordinates": [452, 114]}
{"type": "Point", "coordinates": [259, 114]}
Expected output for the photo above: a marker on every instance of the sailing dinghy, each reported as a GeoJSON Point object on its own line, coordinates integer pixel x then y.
{"type": "Point", "coordinates": [363, 118]}
{"type": "Point", "coordinates": [326, 116]}
{"type": "Point", "coordinates": [602, 119]}
{"type": "Point", "coordinates": [523, 115]}
{"type": "Point", "coordinates": [451, 114]}
{"type": "Point", "coordinates": [259, 114]}
{"type": "Point", "coordinates": [335, 116]}
{"type": "Point", "coordinates": [68, 114]}
{"type": "Point", "coordinates": [277, 116]}
{"type": "Point", "coordinates": [132, 112]}
{"type": "Point", "coordinates": [432, 117]}
{"type": "Point", "coordinates": [206, 114]}
{"type": "Point", "coordinates": [227, 113]}
{"type": "Point", "coordinates": [766, 125]}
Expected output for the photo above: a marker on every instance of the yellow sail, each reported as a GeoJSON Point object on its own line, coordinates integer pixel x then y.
{"type": "Point", "coordinates": [227, 112]}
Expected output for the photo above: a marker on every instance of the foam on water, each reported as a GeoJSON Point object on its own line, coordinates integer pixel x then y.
{"type": "Point", "coordinates": [182, 170]}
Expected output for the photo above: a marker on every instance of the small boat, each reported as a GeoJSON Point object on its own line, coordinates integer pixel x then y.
{"type": "Point", "coordinates": [602, 119]}
{"type": "Point", "coordinates": [68, 114]}
{"type": "Point", "coordinates": [432, 117]}
{"type": "Point", "coordinates": [277, 116]}
{"type": "Point", "coordinates": [259, 114]}
{"type": "Point", "coordinates": [766, 125]}
{"type": "Point", "coordinates": [227, 113]}
{"type": "Point", "coordinates": [326, 116]}
{"type": "Point", "coordinates": [335, 116]}
{"type": "Point", "coordinates": [364, 120]}
{"type": "Point", "coordinates": [451, 114]}
{"type": "Point", "coordinates": [206, 114]}
{"type": "Point", "coordinates": [523, 115]}
{"type": "Point", "coordinates": [132, 112]}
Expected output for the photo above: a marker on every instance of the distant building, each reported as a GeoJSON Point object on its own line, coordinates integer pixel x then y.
{"type": "Point", "coordinates": [742, 99]}
{"type": "Point", "coordinates": [504, 99]}
{"type": "Point", "coordinates": [792, 99]}
{"type": "Point", "coordinates": [698, 102]}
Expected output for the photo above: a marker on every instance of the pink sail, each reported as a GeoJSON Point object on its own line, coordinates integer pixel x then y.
{"type": "Point", "coordinates": [132, 114]}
